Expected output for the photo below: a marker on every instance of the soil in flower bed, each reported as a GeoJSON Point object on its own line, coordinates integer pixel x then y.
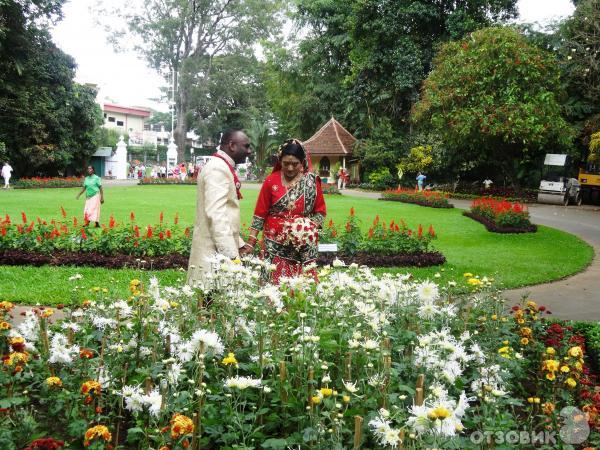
{"type": "Point", "coordinates": [176, 260]}
{"type": "Point", "coordinates": [491, 226]}
{"type": "Point", "coordinates": [403, 260]}
{"type": "Point", "coordinates": [417, 202]}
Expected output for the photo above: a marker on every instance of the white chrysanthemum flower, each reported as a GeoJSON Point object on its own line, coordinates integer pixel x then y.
{"type": "Point", "coordinates": [350, 387]}
{"type": "Point", "coordinates": [60, 350]}
{"type": "Point", "coordinates": [428, 291]}
{"type": "Point", "coordinates": [102, 322]}
{"type": "Point", "coordinates": [153, 401]}
{"type": "Point", "coordinates": [242, 383]}
{"type": "Point", "coordinates": [123, 308]}
{"type": "Point", "coordinates": [370, 344]}
{"type": "Point", "coordinates": [174, 373]}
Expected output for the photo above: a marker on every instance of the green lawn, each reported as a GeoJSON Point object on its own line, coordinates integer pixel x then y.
{"type": "Point", "coordinates": [512, 260]}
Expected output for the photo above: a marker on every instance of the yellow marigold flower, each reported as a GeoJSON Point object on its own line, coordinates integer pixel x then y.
{"type": "Point", "coordinates": [315, 399]}
{"type": "Point", "coordinates": [571, 382]}
{"type": "Point", "coordinates": [174, 304]}
{"type": "Point", "coordinates": [6, 306]}
{"type": "Point", "coordinates": [524, 341]}
{"type": "Point", "coordinates": [494, 317]}
{"type": "Point", "coordinates": [575, 352]}
{"type": "Point", "coordinates": [181, 425]}
{"type": "Point", "coordinates": [551, 365]}
{"type": "Point", "coordinates": [237, 261]}
{"type": "Point", "coordinates": [229, 360]}
{"type": "Point", "coordinates": [550, 351]}
{"type": "Point", "coordinates": [16, 340]}
{"type": "Point", "coordinates": [530, 400]}
{"type": "Point", "coordinates": [16, 358]}
{"type": "Point", "coordinates": [565, 369]}
{"type": "Point", "coordinates": [519, 313]}
{"type": "Point", "coordinates": [526, 331]}
{"type": "Point", "coordinates": [531, 304]}
{"type": "Point", "coordinates": [439, 413]}
{"type": "Point", "coordinates": [47, 312]}
{"type": "Point", "coordinates": [578, 366]}
{"type": "Point", "coordinates": [346, 399]}
{"type": "Point", "coordinates": [468, 275]}
{"type": "Point", "coordinates": [99, 431]}
{"type": "Point", "coordinates": [134, 282]}
{"type": "Point", "coordinates": [548, 408]}
{"type": "Point", "coordinates": [5, 326]}
{"type": "Point", "coordinates": [326, 392]}
{"type": "Point", "coordinates": [91, 387]}
{"type": "Point", "coordinates": [503, 350]}
{"type": "Point", "coordinates": [504, 319]}
{"type": "Point", "coordinates": [474, 282]}
{"type": "Point", "coordinates": [504, 342]}
{"type": "Point", "coordinates": [550, 376]}
{"type": "Point", "coordinates": [520, 321]}
{"type": "Point", "coordinates": [54, 382]}
{"type": "Point", "coordinates": [536, 400]}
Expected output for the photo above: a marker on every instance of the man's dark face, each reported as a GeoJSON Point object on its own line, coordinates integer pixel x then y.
{"type": "Point", "coordinates": [239, 147]}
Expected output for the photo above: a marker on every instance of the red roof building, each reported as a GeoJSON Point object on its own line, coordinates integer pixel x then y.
{"type": "Point", "coordinates": [331, 148]}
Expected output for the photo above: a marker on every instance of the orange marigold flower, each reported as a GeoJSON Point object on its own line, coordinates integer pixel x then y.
{"type": "Point", "coordinates": [526, 332]}
{"type": "Point", "coordinates": [86, 353]}
{"type": "Point", "coordinates": [181, 425]}
{"type": "Point", "coordinates": [6, 306]}
{"type": "Point", "coordinates": [98, 431]}
{"type": "Point", "coordinates": [91, 387]}
{"type": "Point", "coordinates": [548, 408]}
{"type": "Point", "coordinates": [16, 358]}
{"type": "Point", "coordinates": [5, 326]}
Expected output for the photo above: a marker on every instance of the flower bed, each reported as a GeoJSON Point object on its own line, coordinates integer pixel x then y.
{"type": "Point", "coordinates": [469, 191]}
{"type": "Point", "coordinates": [45, 183]}
{"type": "Point", "coordinates": [357, 360]}
{"type": "Point", "coordinates": [501, 216]}
{"type": "Point", "coordinates": [67, 242]}
{"type": "Point", "coordinates": [330, 188]}
{"type": "Point", "coordinates": [169, 180]}
{"type": "Point", "coordinates": [433, 199]}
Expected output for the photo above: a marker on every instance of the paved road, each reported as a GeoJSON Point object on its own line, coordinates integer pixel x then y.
{"type": "Point", "coordinates": [576, 297]}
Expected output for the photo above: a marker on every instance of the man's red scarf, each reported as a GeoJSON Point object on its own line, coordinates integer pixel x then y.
{"type": "Point", "coordinates": [236, 180]}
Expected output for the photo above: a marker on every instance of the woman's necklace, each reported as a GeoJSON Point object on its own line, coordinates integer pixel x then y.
{"type": "Point", "coordinates": [289, 185]}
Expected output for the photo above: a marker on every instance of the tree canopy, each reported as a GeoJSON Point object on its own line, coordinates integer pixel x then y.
{"type": "Point", "coordinates": [47, 122]}
{"type": "Point", "coordinates": [493, 98]}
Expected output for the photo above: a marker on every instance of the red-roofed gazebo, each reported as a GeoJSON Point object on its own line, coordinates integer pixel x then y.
{"type": "Point", "coordinates": [331, 148]}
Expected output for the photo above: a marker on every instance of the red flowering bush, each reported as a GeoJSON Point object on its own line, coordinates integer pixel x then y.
{"type": "Point", "coordinates": [51, 182]}
{"type": "Point", "coordinates": [503, 213]}
{"type": "Point", "coordinates": [113, 238]}
{"type": "Point", "coordinates": [433, 199]}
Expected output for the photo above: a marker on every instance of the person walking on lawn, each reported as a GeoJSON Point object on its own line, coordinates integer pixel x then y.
{"type": "Point", "coordinates": [94, 195]}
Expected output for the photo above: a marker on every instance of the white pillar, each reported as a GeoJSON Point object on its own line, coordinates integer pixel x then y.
{"type": "Point", "coordinates": [117, 163]}
{"type": "Point", "coordinates": [171, 156]}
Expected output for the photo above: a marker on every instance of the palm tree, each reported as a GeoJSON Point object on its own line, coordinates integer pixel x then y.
{"type": "Point", "coordinates": [263, 144]}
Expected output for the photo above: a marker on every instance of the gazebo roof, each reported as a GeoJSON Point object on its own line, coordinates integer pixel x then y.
{"type": "Point", "coordinates": [331, 139]}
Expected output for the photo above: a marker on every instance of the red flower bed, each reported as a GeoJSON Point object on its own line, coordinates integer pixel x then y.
{"type": "Point", "coordinates": [48, 182]}
{"type": "Point", "coordinates": [433, 199]}
{"type": "Point", "coordinates": [501, 216]}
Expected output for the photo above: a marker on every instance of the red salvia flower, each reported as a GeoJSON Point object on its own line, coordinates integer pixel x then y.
{"type": "Point", "coordinates": [63, 212]}
{"type": "Point", "coordinates": [348, 227]}
{"type": "Point", "coordinates": [149, 232]}
{"type": "Point", "coordinates": [420, 231]}
{"type": "Point", "coordinates": [176, 218]}
{"type": "Point", "coordinates": [136, 231]}
{"type": "Point", "coordinates": [111, 222]}
{"type": "Point", "coordinates": [24, 217]}
{"type": "Point", "coordinates": [83, 235]}
{"type": "Point", "coordinates": [30, 227]}
{"type": "Point", "coordinates": [74, 221]}
{"type": "Point", "coordinates": [132, 216]}
{"type": "Point", "coordinates": [187, 231]}
{"type": "Point", "coordinates": [3, 232]}
{"type": "Point", "coordinates": [431, 231]}
{"type": "Point", "coordinates": [371, 233]}
{"type": "Point", "coordinates": [161, 217]}
{"type": "Point", "coordinates": [161, 235]}
{"type": "Point", "coordinates": [352, 211]}
{"type": "Point", "coordinates": [168, 234]}
{"type": "Point", "coordinates": [45, 444]}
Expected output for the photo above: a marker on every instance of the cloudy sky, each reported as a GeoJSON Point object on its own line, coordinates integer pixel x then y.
{"type": "Point", "coordinates": [123, 78]}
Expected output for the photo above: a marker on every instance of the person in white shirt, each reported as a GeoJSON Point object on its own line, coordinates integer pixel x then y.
{"type": "Point", "coordinates": [487, 183]}
{"type": "Point", "coordinates": [6, 174]}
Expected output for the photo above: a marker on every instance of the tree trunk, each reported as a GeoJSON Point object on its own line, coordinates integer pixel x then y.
{"type": "Point", "coordinates": [180, 128]}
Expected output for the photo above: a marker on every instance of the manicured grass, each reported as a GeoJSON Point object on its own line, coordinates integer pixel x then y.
{"type": "Point", "coordinates": [512, 260]}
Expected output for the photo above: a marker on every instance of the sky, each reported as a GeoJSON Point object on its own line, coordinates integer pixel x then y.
{"type": "Point", "coordinates": [125, 79]}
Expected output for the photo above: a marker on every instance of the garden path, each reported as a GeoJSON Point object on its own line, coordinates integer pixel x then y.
{"type": "Point", "coordinates": [576, 297]}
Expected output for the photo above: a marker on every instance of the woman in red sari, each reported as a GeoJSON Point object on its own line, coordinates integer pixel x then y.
{"type": "Point", "coordinates": [288, 196]}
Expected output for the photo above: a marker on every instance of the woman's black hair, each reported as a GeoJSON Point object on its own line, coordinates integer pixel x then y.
{"type": "Point", "coordinates": [292, 147]}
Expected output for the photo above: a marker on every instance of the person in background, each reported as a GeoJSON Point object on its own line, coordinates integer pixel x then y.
{"type": "Point", "coordinates": [487, 183]}
{"type": "Point", "coordinates": [94, 195]}
{"type": "Point", "coordinates": [6, 174]}
{"type": "Point", "coordinates": [420, 181]}
{"type": "Point", "coordinates": [182, 172]}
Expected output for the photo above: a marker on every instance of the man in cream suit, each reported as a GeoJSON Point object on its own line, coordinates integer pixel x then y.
{"type": "Point", "coordinates": [217, 227]}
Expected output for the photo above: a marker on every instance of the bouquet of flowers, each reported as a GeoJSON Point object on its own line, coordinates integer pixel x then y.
{"type": "Point", "coordinates": [299, 232]}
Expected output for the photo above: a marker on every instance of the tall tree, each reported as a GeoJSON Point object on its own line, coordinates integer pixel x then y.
{"type": "Point", "coordinates": [47, 121]}
{"type": "Point", "coordinates": [493, 98]}
{"type": "Point", "coordinates": [184, 36]}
